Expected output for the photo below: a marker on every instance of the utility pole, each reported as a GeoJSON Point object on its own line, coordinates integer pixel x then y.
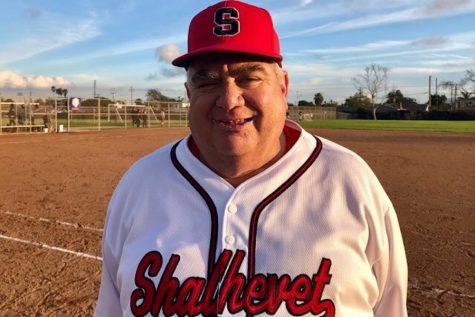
{"type": "Point", "coordinates": [131, 92]}
{"type": "Point", "coordinates": [94, 89]}
{"type": "Point", "coordinates": [456, 86]}
{"type": "Point", "coordinates": [451, 94]}
{"type": "Point", "coordinates": [430, 96]}
{"type": "Point", "coordinates": [436, 94]}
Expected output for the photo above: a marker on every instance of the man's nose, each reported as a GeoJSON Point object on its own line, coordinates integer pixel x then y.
{"type": "Point", "coordinates": [230, 95]}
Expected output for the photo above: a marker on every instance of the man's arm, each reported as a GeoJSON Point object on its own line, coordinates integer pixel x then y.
{"type": "Point", "coordinates": [108, 303]}
{"type": "Point", "coordinates": [391, 272]}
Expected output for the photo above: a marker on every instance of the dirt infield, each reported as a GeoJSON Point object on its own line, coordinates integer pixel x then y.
{"type": "Point", "coordinates": [54, 190]}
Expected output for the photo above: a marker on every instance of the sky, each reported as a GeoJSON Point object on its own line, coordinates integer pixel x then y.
{"type": "Point", "coordinates": [125, 47]}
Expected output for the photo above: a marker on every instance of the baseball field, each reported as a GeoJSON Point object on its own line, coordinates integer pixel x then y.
{"type": "Point", "coordinates": [54, 190]}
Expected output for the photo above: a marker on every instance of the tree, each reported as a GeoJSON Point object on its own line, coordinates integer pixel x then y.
{"type": "Point", "coordinates": [465, 94]}
{"type": "Point", "coordinates": [305, 103]}
{"type": "Point", "coordinates": [469, 77]}
{"type": "Point", "coordinates": [373, 79]}
{"type": "Point", "coordinates": [447, 85]}
{"type": "Point", "coordinates": [155, 95]}
{"type": "Point", "coordinates": [397, 98]}
{"type": "Point", "coordinates": [59, 91]}
{"type": "Point", "coordinates": [358, 100]}
{"type": "Point", "coordinates": [440, 101]}
{"type": "Point", "coordinates": [318, 99]}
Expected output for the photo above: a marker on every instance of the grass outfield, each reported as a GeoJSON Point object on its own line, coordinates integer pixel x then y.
{"type": "Point", "coordinates": [393, 125]}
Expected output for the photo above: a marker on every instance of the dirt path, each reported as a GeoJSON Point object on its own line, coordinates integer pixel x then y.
{"type": "Point", "coordinates": [54, 190]}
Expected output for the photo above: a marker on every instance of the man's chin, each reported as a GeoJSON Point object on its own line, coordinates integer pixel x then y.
{"type": "Point", "coordinates": [232, 146]}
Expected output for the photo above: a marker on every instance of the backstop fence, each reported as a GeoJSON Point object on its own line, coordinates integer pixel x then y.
{"type": "Point", "coordinates": [29, 117]}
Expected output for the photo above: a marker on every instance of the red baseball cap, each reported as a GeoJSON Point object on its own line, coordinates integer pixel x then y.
{"type": "Point", "coordinates": [231, 26]}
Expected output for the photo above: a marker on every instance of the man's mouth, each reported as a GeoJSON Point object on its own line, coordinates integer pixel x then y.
{"type": "Point", "coordinates": [235, 123]}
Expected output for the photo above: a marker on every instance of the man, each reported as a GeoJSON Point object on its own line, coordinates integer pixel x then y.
{"type": "Point", "coordinates": [250, 214]}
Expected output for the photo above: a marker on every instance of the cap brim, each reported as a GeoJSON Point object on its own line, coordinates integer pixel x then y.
{"type": "Point", "coordinates": [184, 60]}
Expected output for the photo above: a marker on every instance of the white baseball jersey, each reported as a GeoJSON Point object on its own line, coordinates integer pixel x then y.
{"type": "Point", "coordinates": [313, 235]}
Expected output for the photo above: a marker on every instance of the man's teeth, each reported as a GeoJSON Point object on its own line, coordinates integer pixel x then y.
{"type": "Point", "coordinates": [235, 122]}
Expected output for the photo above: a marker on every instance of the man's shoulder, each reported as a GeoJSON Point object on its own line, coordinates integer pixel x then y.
{"type": "Point", "coordinates": [339, 157]}
{"type": "Point", "coordinates": [151, 164]}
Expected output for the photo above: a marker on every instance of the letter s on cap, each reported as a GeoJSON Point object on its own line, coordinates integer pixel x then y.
{"type": "Point", "coordinates": [227, 23]}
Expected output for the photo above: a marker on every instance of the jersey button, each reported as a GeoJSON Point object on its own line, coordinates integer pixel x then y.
{"type": "Point", "coordinates": [230, 239]}
{"type": "Point", "coordinates": [232, 208]}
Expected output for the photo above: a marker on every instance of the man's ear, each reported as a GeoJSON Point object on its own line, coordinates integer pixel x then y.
{"type": "Point", "coordinates": [285, 83]}
{"type": "Point", "coordinates": [188, 93]}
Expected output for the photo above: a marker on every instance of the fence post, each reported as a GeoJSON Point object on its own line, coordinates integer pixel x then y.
{"type": "Point", "coordinates": [69, 116]}
{"type": "Point", "coordinates": [99, 114]}
{"type": "Point", "coordinates": [125, 116]}
{"type": "Point", "coordinates": [56, 113]}
{"type": "Point", "coordinates": [1, 116]}
{"type": "Point", "coordinates": [168, 121]}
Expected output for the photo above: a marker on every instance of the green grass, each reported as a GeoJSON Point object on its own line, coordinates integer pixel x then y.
{"type": "Point", "coordinates": [393, 125]}
{"type": "Point", "coordinates": [389, 125]}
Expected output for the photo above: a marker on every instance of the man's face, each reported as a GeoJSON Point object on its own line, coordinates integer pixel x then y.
{"type": "Point", "coordinates": [237, 105]}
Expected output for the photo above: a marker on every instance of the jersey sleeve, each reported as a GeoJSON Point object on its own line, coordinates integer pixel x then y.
{"type": "Point", "coordinates": [108, 303]}
{"type": "Point", "coordinates": [391, 271]}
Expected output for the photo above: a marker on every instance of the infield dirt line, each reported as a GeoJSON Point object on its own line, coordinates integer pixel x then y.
{"type": "Point", "coordinates": [50, 247]}
{"type": "Point", "coordinates": [63, 223]}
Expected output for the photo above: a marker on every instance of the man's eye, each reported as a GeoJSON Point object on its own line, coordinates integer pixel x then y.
{"type": "Point", "coordinates": [248, 80]}
{"type": "Point", "coordinates": [206, 84]}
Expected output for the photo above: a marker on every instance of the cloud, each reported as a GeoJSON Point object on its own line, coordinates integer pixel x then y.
{"type": "Point", "coordinates": [34, 12]}
{"type": "Point", "coordinates": [10, 79]}
{"type": "Point", "coordinates": [87, 77]}
{"type": "Point", "coordinates": [153, 76]}
{"type": "Point", "coordinates": [368, 47]}
{"type": "Point", "coordinates": [165, 73]}
{"type": "Point", "coordinates": [49, 36]}
{"type": "Point", "coordinates": [304, 3]}
{"type": "Point", "coordinates": [422, 49]}
{"type": "Point", "coordinates": [415, 70]}
{"type": "Point", "coordinates": [172, 72]}
{"type": "Point", "coordinates": [443, 6]}
{"type": "Point", "coordinates": [432, 41]}
{"type": "Point", "coordinates": [167, 53]}
{"type": "Point", "coordinates": [361, 22]}
{"type": "Point", "coordinates": [394, 12]}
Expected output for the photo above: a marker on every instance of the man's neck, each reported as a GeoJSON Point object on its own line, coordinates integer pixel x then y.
{"type": "Point", "coordinates": [236, 170]}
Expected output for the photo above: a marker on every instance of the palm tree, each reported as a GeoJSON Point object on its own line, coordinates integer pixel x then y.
{"type": "Point", "coordinates": [318, 99]}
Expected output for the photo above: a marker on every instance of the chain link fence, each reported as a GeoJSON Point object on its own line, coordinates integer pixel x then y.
{"type": "Point", "coordinates": [59, 116]}
{"type": "Point", "coordinates": [29, 117]}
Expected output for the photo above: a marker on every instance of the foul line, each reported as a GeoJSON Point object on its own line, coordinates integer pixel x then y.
{"type": "Point", "coordinates": [438, 291]}
{"type": "Point", "coordinates": [46, 246]}
{"type": "Point", "coordinates": [77, 226]}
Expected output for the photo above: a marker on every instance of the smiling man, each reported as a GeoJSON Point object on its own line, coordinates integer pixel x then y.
{"type": "Point", "coordinates": [249, 214]}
